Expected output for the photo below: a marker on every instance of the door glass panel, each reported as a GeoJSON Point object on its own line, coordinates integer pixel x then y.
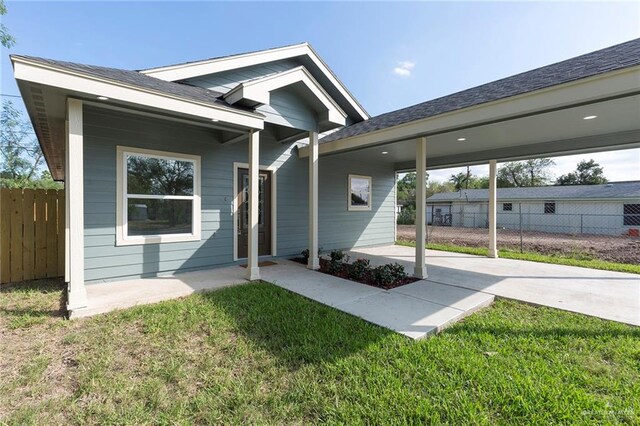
{"type": "Point", "coordinates": [244, 200]}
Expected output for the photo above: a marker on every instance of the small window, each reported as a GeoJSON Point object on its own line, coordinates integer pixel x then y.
{"type": "Point", "coordinates": [550, 208]}
{"type": "Point", "coordinates": [507, 207]}
{"type": "Point", "coordinates": [159, 197]}
{"type": "Point", "coordinates": [631, 215]}
{"type": "Point", "coordinates": [359, 192]}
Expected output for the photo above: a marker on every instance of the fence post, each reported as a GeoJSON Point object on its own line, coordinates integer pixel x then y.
{"type": "Point", "coordinates": [581, 223]}
{"type": "Point", "coordinates": [520, 214]}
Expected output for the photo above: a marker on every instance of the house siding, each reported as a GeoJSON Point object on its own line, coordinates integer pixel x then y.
{"type": "Point", "coordinates": [104, 130]}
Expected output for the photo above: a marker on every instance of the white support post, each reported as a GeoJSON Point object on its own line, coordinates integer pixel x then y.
{"type": "Point", "coordinates": [253, 271]}
{"type": "Point", "coordinates": [493, 247]}
{"type": "Point", "coordinates": [74, 215]}
{"type": "Point", "coordinates": [314, 261]}
{"type": "Point", "coordinates": [421, 207]}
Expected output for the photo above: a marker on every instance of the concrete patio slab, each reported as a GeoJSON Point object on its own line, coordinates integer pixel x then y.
{"type": "Point", "coordinates": [447, 295]}
{"type": "Point", "coordinates": [416, 311]}
{"type": "Point", "coordinates": [604, 294]}
{"type": "Point", "coordinates": [415, 318]}
{"type": "Point", "coordinates": [420, 311]}
{"type": "Point", "coordinates": [106, 297]}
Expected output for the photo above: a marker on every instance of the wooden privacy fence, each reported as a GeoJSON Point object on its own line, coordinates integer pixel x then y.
{"type": "Point", "coordinates": [31, 234]}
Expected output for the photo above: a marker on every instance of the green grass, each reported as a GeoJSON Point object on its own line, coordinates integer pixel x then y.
{"type": "Point", "coordinates": [257, 354]}
{"type": "Point", "coordinates": [574, 260]}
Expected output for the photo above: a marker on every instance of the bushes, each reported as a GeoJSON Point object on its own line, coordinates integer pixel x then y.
{"type": "Point", "coordinates": [389, 274]}
{"type": "Point", "coordinates": [359, 269]}
{"type": "Point", "coordinates": [385, 276]}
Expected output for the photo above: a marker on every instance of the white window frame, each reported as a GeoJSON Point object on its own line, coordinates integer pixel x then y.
{"type": "Point", "coordinates": [370, 199]}
{"type": "Point", "coordinates": [122, 239]}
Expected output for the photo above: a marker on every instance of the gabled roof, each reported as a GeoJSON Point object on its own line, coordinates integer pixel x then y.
{"type": "Point", "coordinates": [614, 190]}
{"type": "Point", "coordinates": [257, 91]}
{"type": "Point", "coordinates": [613, 58]}
{"type": "Point", "coordinates": [311, 60]}
{"type": "Point", "coordinates": [134, 78]}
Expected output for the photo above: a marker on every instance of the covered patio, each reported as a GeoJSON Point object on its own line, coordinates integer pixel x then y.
{"type": "Point", "coordinates": [586, 104]}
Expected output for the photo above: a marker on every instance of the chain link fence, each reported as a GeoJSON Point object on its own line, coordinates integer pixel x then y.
{"type": "Point", "coordinates": [586, 230]}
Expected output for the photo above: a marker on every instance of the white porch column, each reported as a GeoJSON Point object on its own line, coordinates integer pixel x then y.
{"type": "Point", "coordinates": [314, 262]}
{"type": "Point", "coordinates": [253, 271]}
{"type": "Point", "coordinates": [74, 215]}
{"type": "Point", "coordinates": [493, 247]}
{"type": "Point", "coordinates": [421, 207]}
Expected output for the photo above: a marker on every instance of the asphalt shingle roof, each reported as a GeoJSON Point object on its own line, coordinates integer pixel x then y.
{"type": "Point", "coordinates": [140, 80]}
{"type": "Point", "coordinates": [611, 190]}
{"type": "Point", "coordinates": [612, 58]}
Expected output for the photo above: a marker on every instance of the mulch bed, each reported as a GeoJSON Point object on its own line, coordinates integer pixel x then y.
{"type": "Point", "coordinates": [368, 280]}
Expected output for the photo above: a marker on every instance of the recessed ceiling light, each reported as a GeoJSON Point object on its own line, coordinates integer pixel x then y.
{"type": "Point", "coordinates": [462, 139]}
{"type": "Point", "coordinates": [215, 120]}
{"type": "Point", "coordinates": [103, 98]}
{"type": "Point", "coordinates": [385, 152]}
{"type": "Point", "coordinates": [589, 117]}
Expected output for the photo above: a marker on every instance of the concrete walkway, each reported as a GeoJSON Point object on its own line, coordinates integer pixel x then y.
{"type": "Point", "coordinates": [609, 295]}
{"type": "Point", "coordinates": [415, 310]}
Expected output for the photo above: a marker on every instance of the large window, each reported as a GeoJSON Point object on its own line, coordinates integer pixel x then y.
{"type": "Point", "coordinates": [159, 197]}
{"type": "Point", "coordinates": [359, 192]}
{"type": "Point", "coordinates": [631, 215]}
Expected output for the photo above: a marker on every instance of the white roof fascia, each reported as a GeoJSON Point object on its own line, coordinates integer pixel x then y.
{"type": "Point", "coordinates": [566, 95]}
{"type": "Point", "coordinates": [48, 75]}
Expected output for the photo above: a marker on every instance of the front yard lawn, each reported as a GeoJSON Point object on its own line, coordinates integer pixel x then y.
{"type": "Point", "coordinates": [259, 354]}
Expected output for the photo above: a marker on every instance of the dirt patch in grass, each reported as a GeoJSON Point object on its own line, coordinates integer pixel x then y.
{"type": "Point", "coordinates": [621, 249]}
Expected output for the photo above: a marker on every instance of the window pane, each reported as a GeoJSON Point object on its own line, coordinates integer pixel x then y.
{"type": "Point", "coordinates": [156, 217]}
{"type": "Point", "coordinates": [360, 192]}
{"type": "Point", "coordinates": [549, 208]}
{"type": "Point", "coordinates": [631, 215]}
{"type": "Point", "coordinates": [155, 176]}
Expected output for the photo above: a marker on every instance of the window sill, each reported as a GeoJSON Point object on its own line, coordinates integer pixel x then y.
{"type": "Point", "coordinates": [156, 239]}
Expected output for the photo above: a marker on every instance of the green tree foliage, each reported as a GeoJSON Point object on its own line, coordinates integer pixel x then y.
{"type": "Point", "coordinates": [22, 161]}
{"type": "Point", "coordinates": [535, 172]}
{"type": "Point", "coordinates": [587, 173]}
{"type": "Point", "coordinates": [467, 180]}
{"type": "Point", "coordinates": [6, 39]}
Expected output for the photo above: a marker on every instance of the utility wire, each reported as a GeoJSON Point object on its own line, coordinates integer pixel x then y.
{"type": "Point", "coordinates": [10, 96]}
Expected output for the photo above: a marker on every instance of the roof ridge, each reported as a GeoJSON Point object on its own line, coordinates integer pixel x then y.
{"type": "Point", "coordinates": [223, 56]}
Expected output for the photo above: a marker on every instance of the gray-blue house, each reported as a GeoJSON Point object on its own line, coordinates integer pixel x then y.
{"type": "Point", "coordinates": [219, 161]}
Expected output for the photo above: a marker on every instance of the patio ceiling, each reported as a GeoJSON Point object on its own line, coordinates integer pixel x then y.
{"type": "Point", "coordinates": [617, 126]}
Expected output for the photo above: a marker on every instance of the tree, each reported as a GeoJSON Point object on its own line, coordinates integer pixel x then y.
{"type": "Point", "coordinates": [587, 173]}
{"type": "Point", "coordinates": [467, 180]}
{"type": "Point", "coordinates": [6, 39]}
{"type": "Point", "coordinates": [535, 172]}
{"type": "Point", "coordinates": [406, 190]}
{"type": "Point", "coordinates": [20, 154]}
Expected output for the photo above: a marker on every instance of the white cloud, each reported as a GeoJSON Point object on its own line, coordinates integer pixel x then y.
{"type": "Point", "coordinates": [404, 68]}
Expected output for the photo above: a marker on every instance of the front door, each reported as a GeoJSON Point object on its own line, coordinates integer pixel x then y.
{"type": "Point", "coordinates": [264, 213]}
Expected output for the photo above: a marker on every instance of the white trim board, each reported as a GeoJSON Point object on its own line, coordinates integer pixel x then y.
{"type": "Point", "coordinates": [121, 204]}
{"type": "Point", "coordinates": [274, 209]}
{"type": "Point", "coordinates": [49, 75]}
